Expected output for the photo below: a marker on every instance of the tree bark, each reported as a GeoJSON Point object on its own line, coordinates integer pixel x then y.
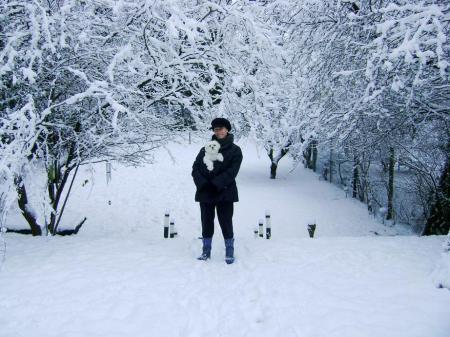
{"type": "Point", "coordinates": [355, 180]}
{"type": "Point", "coordinates": [275, 159]}
{"type": "Point", "coordinates": [55, 227]}
{"type": "Point", "coordinates": [314, 155]}
{"type": "Point", "coordinates": [307, 155]}
{"type": "Point", "coordinates": [273, 170]}
{"type": "Point", "coordinates": [390, 202]}
{"type": "Point", "coordinates": [56, 183]}
{"type": "Point", "coordinates": [57, 189]}
{"type": "Point", "coordinates": [27, 214]}
{"type": "Point", "coordinates": [331, 165]}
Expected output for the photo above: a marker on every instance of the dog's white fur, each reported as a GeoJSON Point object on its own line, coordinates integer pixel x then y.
{"type": "Point", "coordinates": [211, 154]}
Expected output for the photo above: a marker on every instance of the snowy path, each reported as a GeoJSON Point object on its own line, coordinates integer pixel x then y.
{"type": "Point", "coordinates": [118, 277]}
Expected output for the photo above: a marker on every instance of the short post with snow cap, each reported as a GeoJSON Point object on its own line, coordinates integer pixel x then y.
{"type": "Point", "coordinates": [268, 225]}
{"type": "Point", "coordinates": [172, 228]}
{"type": "Point", "coordinates": [311, 229]}
{"type": "Point", "coordinates": [261, 229]}
{"type": "Point", "coordinates": [166, 224]}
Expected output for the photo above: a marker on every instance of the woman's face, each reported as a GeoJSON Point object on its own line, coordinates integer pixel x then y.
{"type": "Point", "coordinates": [221, 132]}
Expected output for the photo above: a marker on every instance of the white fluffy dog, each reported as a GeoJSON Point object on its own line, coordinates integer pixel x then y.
{"type": "Point", "coordinates": [211, 154]}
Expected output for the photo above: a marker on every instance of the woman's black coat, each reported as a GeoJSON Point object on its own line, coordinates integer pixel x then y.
{"type": "Point", "coordinates": [218, 185]}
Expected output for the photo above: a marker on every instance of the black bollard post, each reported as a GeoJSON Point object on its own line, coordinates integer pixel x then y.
{"type": "Point", "coordinates": [175, 232]}
{"type": "Point", "coordinates": [172, 229]}
{"type": "Point", "coordinates": [166, 225]}
{"type": "Point", "coordinates": [311, 230]}
{"type": "Point", "coordinates": [261, 229]}
{"type": "Point", "coordinates": [268, 225]}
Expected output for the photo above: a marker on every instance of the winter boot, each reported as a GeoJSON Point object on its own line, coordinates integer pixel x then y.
{"type": "Point", "coordinates": [206, 251]}
{"type": "Point", "coordinates": [229, 251]}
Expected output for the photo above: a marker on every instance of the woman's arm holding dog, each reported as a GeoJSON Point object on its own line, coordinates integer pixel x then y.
{"type": "Point", "coordinates": [199, 179]}
{"type": "Point", "coordinates": [225, 178]}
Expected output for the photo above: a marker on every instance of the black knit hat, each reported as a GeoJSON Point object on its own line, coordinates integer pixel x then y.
{"type": "Point", "coordinates": [219, 122]}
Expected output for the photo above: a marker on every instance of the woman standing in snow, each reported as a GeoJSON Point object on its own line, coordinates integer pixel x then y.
{"type": "Point", "coordinates": [214, 177]}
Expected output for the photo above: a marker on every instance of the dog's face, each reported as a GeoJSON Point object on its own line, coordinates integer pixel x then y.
{"type": "Point", "coordinates": [212, 147]}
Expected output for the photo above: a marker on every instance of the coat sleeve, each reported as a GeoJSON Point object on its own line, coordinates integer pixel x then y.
{"type": "Point", "coordinates": [225, 178]}
{"type": "Point", "coordinates": [199, 179]}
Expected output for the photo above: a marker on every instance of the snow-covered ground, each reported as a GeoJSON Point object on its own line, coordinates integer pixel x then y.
{"type": "Point", "coordinates": [119, 277]}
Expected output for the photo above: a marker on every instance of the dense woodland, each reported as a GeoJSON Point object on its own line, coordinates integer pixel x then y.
{"type": "Point", "coordinates": [358, 91]}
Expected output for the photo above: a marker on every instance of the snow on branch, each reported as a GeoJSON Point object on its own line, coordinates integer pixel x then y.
{"type": "Point", "coordinates": [414, 33]}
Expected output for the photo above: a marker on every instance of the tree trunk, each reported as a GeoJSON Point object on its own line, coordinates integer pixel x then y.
{"type": "Point", "coordinates": [27, 213]}
{"type": "Point", "coordinates": [273, 167]}
{"type": "Point", "coordinates": [390, 205]}
{"type": "Point", "coordinates": [438, 223]}
{"type": "Point", "coordinates": [331, 165]}
{"type": "Point", "coordinates": [55, 189]}
{"type": "Point", "coordinates": [55, 227]}
{"type": "Point", "coordinates": [57, 180]}
{"type": "Point", "coordinates": [307, 155]}
{"type": "Point", "coordinates": [273, 170]}
{"type": "Point", "coordinates": [314, 155]}
{"type": "Point", "coordinates": [355, 179]}
{"type": "Point", "coordinates": [275, 159]}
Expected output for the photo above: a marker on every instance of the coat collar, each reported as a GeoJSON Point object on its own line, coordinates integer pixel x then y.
{"type": "Point", "coordinates": [226, 142]}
